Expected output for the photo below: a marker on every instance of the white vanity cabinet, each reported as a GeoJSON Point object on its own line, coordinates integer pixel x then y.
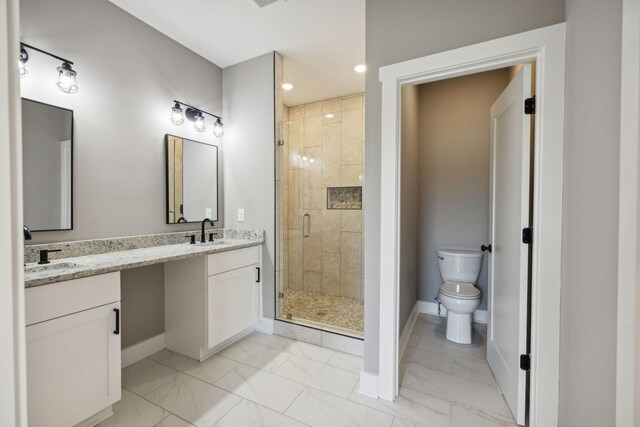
{"type": "Point", "coordinates": [73, 351]}
{"type": "Point", "coordinates": [211, 300]}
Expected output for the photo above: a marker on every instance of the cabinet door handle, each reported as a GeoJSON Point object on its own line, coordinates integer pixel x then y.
{"type": "Point", "coordinates": [117, 331]}
{"type": "Point", "coordinates": [258, 280]}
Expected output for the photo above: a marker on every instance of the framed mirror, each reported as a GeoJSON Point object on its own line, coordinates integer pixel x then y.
{"type": "Point", "coordinates": [47, 160]}
{"type": "Point", "coordinates": [192, 180]}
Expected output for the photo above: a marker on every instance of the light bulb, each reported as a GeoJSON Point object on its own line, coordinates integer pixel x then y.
{"type": "Point", "coordinates": [329, 116]}
{"type": "Point", "coordinates": [199, 123]}
{"type": "Point", "coordinates": [287, 86]}
{"type": "Point", "coordinates": [218, 129]}
{"type": "Point", "coordinates": [176, 115]}
{"type": "Point", "coordinates": [361, 68]}
{"type": "Point", "coordinates": [311, 160]}
{"type": "Point", "coordinates": [67, 78]}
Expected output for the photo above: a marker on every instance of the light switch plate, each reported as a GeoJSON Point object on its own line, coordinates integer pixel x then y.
{"type": "Point", "coordinates": [241, 215]}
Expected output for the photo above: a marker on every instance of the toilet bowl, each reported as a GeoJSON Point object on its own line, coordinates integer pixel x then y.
{"type": "Point", "coordinates": [459, 269]}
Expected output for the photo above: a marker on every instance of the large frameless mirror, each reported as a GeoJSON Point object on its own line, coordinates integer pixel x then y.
{"type": "Point", "coordinates": [47, 156]}
{"type": "Point", "coordinates": [192, 180]}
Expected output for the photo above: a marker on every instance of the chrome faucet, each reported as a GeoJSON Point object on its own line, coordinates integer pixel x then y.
{"type": "Point", "coordinates": [202, 238]}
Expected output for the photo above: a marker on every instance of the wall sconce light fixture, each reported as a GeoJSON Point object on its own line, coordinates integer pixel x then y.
{"type": "Point", "coordinates": [66, 74]}
{"type": "Point", "coordinates": [196, 116]}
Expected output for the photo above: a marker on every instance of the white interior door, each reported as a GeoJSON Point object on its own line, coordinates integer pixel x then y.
{"type": "Point", "coordinates": [508, 263]}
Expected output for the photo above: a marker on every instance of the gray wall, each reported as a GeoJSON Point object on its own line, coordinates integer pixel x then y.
{"type": "Point", "coordinates": [590, 210]}
{"type": "Point", "coordinates": [409, 200]}
{"type": "Point", "coordinates": [128, 76]}
{"type": "Point", "coordinates": [249, 157]}
{"type": "Point", "coordinates": [142, 303]}
{"type": "Point", "coordinates": [454, 170]}
{"type": "Point", "coordinates": [404, 29]}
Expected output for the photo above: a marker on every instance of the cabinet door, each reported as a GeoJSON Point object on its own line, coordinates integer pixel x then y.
{"type": "Point", "coordinates": [232, 303]}
{"type": "Point", "coordinates": [73, 366]}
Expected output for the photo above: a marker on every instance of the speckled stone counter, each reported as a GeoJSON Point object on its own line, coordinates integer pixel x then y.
{"type": "Point", "coordinates": [100, 256]}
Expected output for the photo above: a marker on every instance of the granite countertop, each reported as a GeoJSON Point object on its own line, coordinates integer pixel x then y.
{"type": "Point", "coordinates": [91, 265]}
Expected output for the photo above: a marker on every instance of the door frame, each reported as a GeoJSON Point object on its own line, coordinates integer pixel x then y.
{"type": "Point", "coordinates": [545, 46]}
{"type": "Point", "coordinates": [13, 388]}
{"type": "Point", "coordinates": [628, 321]}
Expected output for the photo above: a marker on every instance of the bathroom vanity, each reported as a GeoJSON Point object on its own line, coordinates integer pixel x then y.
{"type": "Point", "coordinates": [73, 350]}
{"type": "Point", "coordinates": [212, 298]}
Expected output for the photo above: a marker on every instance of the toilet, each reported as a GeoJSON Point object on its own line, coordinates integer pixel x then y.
{"type": "Point", "coordinates": [459, 269]}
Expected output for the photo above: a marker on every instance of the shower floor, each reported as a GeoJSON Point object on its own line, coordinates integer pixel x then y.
{"type": "Point", "coordinates": [337, 314]}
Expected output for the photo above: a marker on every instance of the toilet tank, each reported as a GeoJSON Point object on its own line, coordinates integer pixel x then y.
{"type": "Point", "coordinates": [459, 265]}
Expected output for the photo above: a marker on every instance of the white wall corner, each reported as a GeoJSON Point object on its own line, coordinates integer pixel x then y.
{"type": "Point", "coordinates": [139, 351]}
{"type": "Point", "coordinates": [265, 325]}
{"type": "Point", "coordinates": [408, 328]}
{"type": "Point", "coordinates": [369, 384]}
{"type": "Point", "coordinates": [428, 307]}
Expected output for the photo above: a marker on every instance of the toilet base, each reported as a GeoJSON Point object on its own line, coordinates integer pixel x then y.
{"type": "Point", "coordinates": [459, 328]}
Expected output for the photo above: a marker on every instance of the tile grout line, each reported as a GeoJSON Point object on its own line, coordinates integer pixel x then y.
{"type": "Point", "coordinates": [490, 413]}
{"type": "Point", "coordinates": [230, 409]}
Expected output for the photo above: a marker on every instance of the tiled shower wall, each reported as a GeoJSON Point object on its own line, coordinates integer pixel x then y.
{"type": "Point", "coordinates": [324, 146]}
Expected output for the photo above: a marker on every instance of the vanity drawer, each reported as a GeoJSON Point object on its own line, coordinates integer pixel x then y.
{"type": "Point", "coordinates": [231, 260]}
{"type": "Point", "coordinates": [60, 299]}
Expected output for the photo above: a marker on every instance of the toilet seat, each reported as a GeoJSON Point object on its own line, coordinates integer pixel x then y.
{"type": "Point", "coordinates": [460, 290]}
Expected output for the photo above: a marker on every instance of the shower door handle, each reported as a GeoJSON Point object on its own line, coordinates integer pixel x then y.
{"type": "Point", "coordinates": [306, 225]}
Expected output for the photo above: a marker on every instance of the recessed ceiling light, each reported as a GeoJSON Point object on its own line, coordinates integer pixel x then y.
{"type": "Point", "coordinates": [360, 68]}
{"type": "Point", "coordinates": [287, 86]}
{"type": "Point", "coordinates": [329, 116]}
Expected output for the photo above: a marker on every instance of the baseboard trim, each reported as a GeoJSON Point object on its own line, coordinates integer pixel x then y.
{"type": "Point", "coordinates": [139, 351]}
{"type": "Point", "coordinates": [265, 325]}
{"type": "Point", "coordinates": [369, 384]}
{"type": "Point", "coordinates": [408, 328]}
{"type": "Point", "coordinates": [428, 307]}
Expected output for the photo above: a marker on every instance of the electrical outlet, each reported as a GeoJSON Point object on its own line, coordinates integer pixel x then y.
{"type": "Point", "coordinates": [207, 213]}
{"type": "Point", "coordinates": [241, 215]}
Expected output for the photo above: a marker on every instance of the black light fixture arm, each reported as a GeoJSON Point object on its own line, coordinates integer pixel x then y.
{"type": "Point", "coordinates": [196, 108]}
{"type": "Point", "coordinates": [28, 46]}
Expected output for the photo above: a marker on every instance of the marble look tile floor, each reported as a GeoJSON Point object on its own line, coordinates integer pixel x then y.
{"type": "Point", "coordinates": [326, 310]}
{"type": "Point", "coordinates": [273, 381]}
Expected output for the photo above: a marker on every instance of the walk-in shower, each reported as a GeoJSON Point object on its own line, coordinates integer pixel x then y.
{"type": "Point", "coordinates": [319, 162]}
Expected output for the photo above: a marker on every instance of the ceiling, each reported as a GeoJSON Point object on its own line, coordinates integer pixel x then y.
{"type": "Point", "coordinates": [321, 40]}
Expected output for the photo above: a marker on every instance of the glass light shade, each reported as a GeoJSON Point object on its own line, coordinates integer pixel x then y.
{"type": "Point", "coordinates": [176, 115]}
{"type": "Point", "coordinates": [67, 79]}
{"type": "Point", "coordinates": [22, 69]}
{"type": "Point", "coordinates": [199, 123]}
{"type": "Point", "coordinates": [24, 57]}
{"type": "Point", "coordinates": [218, 129]}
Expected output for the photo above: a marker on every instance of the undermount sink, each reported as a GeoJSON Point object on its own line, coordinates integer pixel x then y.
{"type": "Point", "coordinates": [215, 242]}
{"type": "Point", "coordinates": [47, 267]}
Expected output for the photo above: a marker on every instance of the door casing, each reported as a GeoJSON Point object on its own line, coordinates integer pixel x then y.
{"type": "Point", "coordinates": [545, 46]}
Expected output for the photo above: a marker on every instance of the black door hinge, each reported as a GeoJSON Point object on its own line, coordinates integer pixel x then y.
{"type": "Point", "coordinates": [530, 105]}
{"type": "Point", "coordinates": [525, 362]}
{"type": "Point", "coordinates": [527, 235]}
